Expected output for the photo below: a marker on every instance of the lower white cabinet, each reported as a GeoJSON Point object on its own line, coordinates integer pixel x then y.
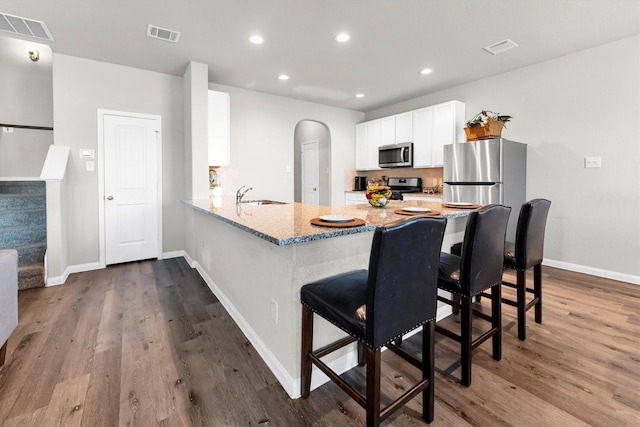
{"type": "Point", "coordinates": [354, 198]}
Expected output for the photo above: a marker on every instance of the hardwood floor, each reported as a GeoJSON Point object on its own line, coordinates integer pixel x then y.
{"type": "Point", "coordinates": [147, 344]}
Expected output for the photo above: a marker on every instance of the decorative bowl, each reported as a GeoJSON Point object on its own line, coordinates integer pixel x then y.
{"type": "Point", "coordinates": [378, 195]}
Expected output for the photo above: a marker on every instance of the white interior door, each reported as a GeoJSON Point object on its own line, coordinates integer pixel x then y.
{"type": "Point", "coordinates": [131, 214]}
{"type": "Point", "coordinates": [310, 175]}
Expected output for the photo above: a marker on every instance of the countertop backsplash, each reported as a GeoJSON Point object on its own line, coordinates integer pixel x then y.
{"type": "Point", "coordinates": [431, 177]}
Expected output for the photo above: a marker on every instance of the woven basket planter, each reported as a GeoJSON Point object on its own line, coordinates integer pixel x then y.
{"type": "Point", "coordinates": [488, 131]}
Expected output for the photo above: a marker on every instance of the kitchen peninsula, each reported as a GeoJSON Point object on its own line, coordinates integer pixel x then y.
{"type": "Point", "coordinates": [256, 258]}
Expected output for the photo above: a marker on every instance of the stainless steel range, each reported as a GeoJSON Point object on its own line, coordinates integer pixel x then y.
{"type": "Point", "coordinates": [400, 186]}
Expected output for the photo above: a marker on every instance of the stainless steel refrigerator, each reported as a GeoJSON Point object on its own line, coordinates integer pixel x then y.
{"type": "Point", "coordinates": [487, 171]}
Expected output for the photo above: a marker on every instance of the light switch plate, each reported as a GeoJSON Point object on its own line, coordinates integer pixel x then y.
{"type": "Point", "coordinates": [86, 153]}
{"type": "Point", "coordinates": [593, 162]}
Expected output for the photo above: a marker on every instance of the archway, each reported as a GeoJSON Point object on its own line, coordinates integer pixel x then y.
{"type": "Point", "coordinates": [312, 130]}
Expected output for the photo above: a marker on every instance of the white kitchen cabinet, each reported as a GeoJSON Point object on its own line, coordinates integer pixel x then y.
{"type": "Point", "coordinates": [388, 130]}
{"type": "Point", "coordinates": [433, 127]}
{"type": "Point", "coordinates": [218, 133]}
{"type": "Point", "coordinates": [422, 137]}
{"type": "Point", "coordinates": [368, 139]}
{"type": "Point", "coordinates": [362, 146]}
{"type": "Point", "coordinates": [354, 198]}
{"type": "Point", "coordinates": [404, 130]}
{"type": "Point", "coordinates": [429, 128]}
{"type": "Point", "coordinates": [448, 128]}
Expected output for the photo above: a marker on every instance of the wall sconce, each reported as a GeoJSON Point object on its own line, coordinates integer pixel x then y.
{"type": "Point", "coordinates": [34, 55]}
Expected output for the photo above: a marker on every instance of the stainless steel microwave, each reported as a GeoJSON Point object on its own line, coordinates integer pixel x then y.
{"type": "Point", "coordinates": [395, 155]}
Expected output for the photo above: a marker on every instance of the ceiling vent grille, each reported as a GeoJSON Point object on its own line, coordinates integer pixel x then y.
{"type": "Point", "coordinates": [24, 27]}
{"type": "Point", "coordinates": [500, 47]}
{"type": "Point", "coordinates": [163, 34]}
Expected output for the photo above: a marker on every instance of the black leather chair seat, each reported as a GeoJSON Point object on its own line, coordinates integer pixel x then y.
{"type": "Point", "coordinates": [449, 274]}
{"type": "Point", "coordinates": [338, 298]}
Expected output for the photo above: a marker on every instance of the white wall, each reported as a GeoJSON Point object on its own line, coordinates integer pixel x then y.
{"type": "Point", "coordinates": [26, 98]}
{"type": "Point", "coordinates": [583, 104]}
{"type": "Point", "coordinates": [80, 88]}
{"type": "Point", "coordinates": [262, 141]}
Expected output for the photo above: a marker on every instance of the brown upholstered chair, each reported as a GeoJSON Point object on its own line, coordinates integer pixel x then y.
{"type": "Point", "coordinates": [398, 293]}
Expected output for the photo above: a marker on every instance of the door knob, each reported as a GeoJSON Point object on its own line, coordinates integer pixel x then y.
{"type": "Point", "coordinates": [110, 198]}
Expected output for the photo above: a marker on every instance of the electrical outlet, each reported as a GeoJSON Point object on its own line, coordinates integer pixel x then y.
{"type": "Point", "coordinates": [593, 162]}
{"type": "Point", "coordinates": [91, 166]}
{"type": "Point", "coordinates": [274, 311]}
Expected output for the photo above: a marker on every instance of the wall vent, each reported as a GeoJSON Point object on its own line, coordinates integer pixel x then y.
{"type": "Point", "coordinates": [500, 47]}
{"type": "Point", "coordinates": [24, 27]}
{"type": "Point", "coordinates": [163, 34]}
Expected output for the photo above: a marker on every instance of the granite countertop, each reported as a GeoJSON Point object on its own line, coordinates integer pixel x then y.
{"type": "Point", "coordinates": [289, 223]}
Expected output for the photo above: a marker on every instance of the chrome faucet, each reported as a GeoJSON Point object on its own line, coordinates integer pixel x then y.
{"type": "Point", "coordinates": [240, 194]}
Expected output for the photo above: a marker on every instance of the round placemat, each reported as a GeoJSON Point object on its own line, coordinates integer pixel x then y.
{"type": "Point", "coordinates": [454, 206]}
{"type": "Point", "coordinates": [430, 213]}
{"type": "Point", "coordinates": [355, 222]}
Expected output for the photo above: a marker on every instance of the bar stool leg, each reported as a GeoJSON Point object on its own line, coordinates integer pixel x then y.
{"type": "Point", "coordinates": [428, 359]}
{"type": "Point", "coordinates": [521, 303]}
{"type": "Point", "coordinates": [496, 320]}
{"type": "Point", "coordinates": [307, 347]}
{"type": "Point", "coordinates": [537, 290]}
{"type": "Point", "coordinates": [465, 344]}
{"type": "Point", "coordinates": [373, 386]}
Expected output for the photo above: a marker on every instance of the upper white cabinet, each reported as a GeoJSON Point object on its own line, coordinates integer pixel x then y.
{"type": "Point", "coordinates": [218, 119]}
{"type": "Point", "coordinates": [404, 130]}
{"type": "Point", "coordinates": [429, 128]}
{"type": "Point", "coordinates": [368, 139]}
{"type": "Point", "coordinates": [433, 128]}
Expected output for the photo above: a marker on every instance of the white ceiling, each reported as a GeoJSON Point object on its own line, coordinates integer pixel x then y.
{"type": "Point", "coordinates": [391, 40]}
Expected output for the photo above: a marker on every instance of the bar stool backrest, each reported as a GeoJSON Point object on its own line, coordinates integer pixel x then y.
{"type": "Point", "coordinates": [403, 278]}
{"type": "Point", "coordinates": [530, 233]}
{"type": "Point", "coordinates": [482, 254]}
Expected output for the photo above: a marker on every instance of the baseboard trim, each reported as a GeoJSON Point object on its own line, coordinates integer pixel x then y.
{"type": "Point", "coordinates": [60, 280]}
{"type": "Point", "coordinates": [173, 254]}
{"type": "Point", "coordinates": [598, 272]}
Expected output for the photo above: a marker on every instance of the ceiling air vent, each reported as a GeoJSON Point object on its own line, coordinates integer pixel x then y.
{"type": "Point", "coordinates": [24, 27]}
{"type": "Point", "coordinates": [500, 47]}
{"type": "Point", "coordinates": [163, 34]}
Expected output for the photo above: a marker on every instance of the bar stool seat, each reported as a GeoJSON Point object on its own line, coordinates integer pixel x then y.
{"type": "Point", "coordinates": [398, 293]}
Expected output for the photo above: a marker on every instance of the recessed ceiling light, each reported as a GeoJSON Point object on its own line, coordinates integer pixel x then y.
{"type": "Point", "coordinates": [342, 37]}
{"type": "Point", "coordinates": [283, 77]}
{"type": "Point", "coordinates": [359, 95]}
{"type": "Point", "coordinates": [256, 39]}
{"type": "Point", "coordinates": [426, 71]}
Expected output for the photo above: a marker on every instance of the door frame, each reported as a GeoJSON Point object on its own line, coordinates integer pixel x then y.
{"type": "Point", "coordinates": [302, 165]}
{"type": "Point", "coordinates": [101, 171]}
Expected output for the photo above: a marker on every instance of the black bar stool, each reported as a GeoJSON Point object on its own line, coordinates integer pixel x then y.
{"type": "Point", "coordinates": [477, 269]}
{"type": "Point", "coordinates": [397, 294]}
{"type": "Point", "coordinates": [525, 253]}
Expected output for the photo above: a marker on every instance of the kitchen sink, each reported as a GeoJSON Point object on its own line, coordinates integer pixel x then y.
{"type": "Point", "coordinates": [262, 202]}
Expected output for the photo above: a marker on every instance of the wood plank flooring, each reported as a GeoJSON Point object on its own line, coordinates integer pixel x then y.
{"type": "Point", "coordinates": [147, 344]}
